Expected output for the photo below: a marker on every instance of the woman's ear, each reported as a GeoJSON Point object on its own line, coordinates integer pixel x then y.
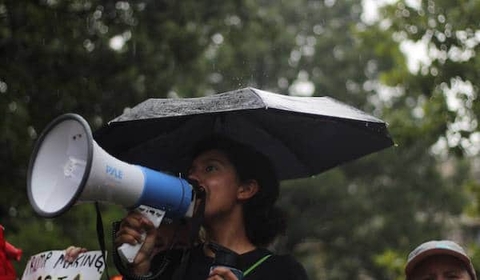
{"type": "Point", "coordinates": [247, 190]}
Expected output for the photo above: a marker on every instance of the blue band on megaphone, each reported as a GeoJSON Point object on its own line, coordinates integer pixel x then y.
{"type": "Point", "coordinates": [166, 192]}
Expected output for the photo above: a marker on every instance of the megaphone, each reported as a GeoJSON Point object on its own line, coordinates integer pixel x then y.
{"type": "Point", "coordinates": [68, 167]}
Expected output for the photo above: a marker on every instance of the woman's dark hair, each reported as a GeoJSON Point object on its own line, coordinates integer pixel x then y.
{"type": "Point", "coordinates": [263, 220]}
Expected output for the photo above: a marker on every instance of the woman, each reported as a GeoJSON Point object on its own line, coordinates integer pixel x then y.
{"type": "Point", "coordinates": [241, 189]}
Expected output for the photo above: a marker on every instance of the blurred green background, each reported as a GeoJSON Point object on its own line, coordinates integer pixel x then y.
{"type": "Point", "coordinates": [411, 63]}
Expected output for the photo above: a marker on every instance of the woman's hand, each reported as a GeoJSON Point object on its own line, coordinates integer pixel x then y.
{"type": "Point", "coordinates": [221, 273]}
{"type": "Point", "coordinates": [135, 229]}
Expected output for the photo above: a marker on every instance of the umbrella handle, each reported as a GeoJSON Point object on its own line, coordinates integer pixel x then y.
{"type": "Point", "coordinates": [127, 251]}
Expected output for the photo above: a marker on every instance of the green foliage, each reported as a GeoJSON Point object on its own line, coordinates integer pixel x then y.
{"type": "Point", "coordinates": [423, 111]}
{"type": "Point", "coordinates": [394, 262]}
{"type": "Point", "coordinates": [448, 31]}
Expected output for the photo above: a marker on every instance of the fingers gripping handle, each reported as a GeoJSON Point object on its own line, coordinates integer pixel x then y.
{"type": "Point", "coordinates": [128, 252]}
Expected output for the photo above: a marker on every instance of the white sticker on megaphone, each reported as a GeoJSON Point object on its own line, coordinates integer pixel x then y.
{"type": "Point", "coordinates": [128, 252]}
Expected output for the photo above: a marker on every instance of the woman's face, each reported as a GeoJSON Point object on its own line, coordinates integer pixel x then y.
{"type": "Point", "coordinates": [216, 174]}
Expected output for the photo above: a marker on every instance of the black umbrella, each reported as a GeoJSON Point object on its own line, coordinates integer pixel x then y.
{"type": "Point", "coordinates": [303, 136]}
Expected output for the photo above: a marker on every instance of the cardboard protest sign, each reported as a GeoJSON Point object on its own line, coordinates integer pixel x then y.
{"type": "Point", "coordinates": [51, 265]}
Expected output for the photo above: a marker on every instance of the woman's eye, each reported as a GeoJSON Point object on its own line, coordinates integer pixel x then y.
{"type": "Point", "coordinates": [210, 168]}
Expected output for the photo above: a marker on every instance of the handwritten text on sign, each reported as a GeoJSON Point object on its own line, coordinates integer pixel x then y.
{"type": "Point", "coordinates": [51, 265]}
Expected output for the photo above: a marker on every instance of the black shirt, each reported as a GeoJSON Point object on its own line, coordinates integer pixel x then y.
{"type": "Point", "coordinates": [279, 267]}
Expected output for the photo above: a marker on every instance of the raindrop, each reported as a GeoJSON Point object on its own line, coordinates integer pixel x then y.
{"type": "Point", "coordinates": [172, 94]}
{"type": "Point", "coordinates": [12, 106]}
{"type": "Point", "coordinates": [49, 225]}
{"type": "Point", "coordinates": [12, 211]}
{"type": "Point", "coordinates": [32, 132]}
{"type": "Point", "coordinates": [283, 83]}
{"type": "Point", "coordinates": [3, 87]}
{"type": "Point", "coordinates": [215, 78]}
{"type": "Point", "coordinates": [352, 189]}
{"type": "Point", "coordinates": [127, 110]}
{"type": "Point", "coordinates": [98, 121]}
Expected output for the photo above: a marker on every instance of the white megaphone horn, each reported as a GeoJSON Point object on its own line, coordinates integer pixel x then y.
{"type": "Point", "coordinates": [67, 167]}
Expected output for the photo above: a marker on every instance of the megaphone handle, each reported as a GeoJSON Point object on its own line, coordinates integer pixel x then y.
{"type": "Point", "coordinates": [128, 252]}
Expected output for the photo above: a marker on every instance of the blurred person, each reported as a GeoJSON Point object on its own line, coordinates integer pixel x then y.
{"type": "Point", "coordinates": [8, 252]}
{"type": "Point", "coordinates": [439, 259]}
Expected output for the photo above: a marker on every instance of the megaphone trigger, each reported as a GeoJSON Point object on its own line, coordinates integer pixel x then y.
{"type": "Point", "coordinates": [127, 251]}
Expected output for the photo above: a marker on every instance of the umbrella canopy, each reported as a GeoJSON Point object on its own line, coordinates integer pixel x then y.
{"type": "Point", "coordinates": [302, 136]}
